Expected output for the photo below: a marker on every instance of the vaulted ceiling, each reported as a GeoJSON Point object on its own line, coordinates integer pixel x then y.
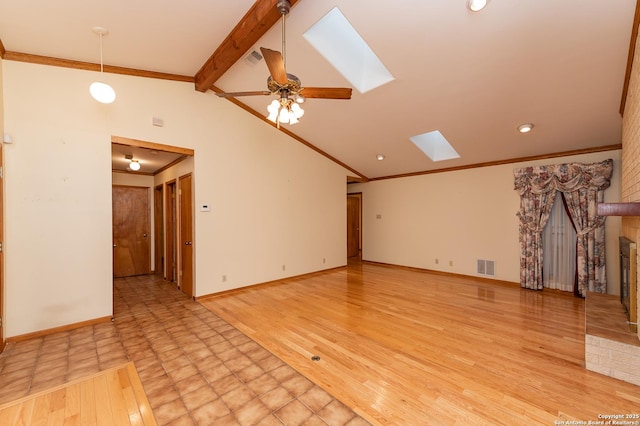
{"type": "Point", "coordinates": [475, 77]}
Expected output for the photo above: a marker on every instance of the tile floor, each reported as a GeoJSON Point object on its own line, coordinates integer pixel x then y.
{"type": "Point", "coordinates": [195, 368]}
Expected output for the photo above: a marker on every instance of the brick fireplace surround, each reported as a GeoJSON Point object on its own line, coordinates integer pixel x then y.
{"type": "Point", "coordinates": [603, 354]}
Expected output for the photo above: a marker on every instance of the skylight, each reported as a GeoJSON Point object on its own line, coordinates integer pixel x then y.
{"type": "Point", "coordinates": [341, 45]}
{"type": "Point", "coordinates": [435, 146]}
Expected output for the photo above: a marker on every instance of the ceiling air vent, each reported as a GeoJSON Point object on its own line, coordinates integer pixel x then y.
{"type": "Point", "coordinates": [254, 57]}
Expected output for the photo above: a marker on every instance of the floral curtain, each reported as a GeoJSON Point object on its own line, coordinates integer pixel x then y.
{"type": "Point", "coordinates": [535, 207]}
{"type": "Point", "coordinates": [582, 186]}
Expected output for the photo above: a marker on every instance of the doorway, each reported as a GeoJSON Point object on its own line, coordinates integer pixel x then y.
{"type": "Point", "coordinates": [164, 163]}
{"type": "Point", "coordinates": [354, 224]}
{"type": "Point", "coordinates": [131, 247]}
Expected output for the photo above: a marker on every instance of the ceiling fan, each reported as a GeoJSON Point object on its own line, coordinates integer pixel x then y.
{"type": "Point", "coordinates": [286, 108]}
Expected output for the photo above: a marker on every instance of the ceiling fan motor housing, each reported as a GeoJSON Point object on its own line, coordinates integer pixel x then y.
{"type": "Point", "coordinates": [293, 84]}
{"type": "Point", "coordinates": [283, 6]}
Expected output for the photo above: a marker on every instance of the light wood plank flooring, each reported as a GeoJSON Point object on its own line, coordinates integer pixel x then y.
{"type": "Point", "coordinates": [408, 347]}
{"type": "Point", "coordinates": [112, 397]}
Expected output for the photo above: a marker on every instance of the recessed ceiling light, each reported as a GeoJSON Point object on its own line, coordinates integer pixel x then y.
{"type": "Point", "coordinates": [525, 128]}
{"type": "Point", "coordinates": [476, 5]}
{"type": "Point", "coordinates": [380, 157]}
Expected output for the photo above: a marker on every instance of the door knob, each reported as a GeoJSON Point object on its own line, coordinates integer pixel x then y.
{"type": "Point", "coordinates": [144, 235]}
{"type": "Point", "coordinates": [115, 245]}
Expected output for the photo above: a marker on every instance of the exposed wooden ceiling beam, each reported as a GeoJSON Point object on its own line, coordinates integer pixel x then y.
{"type": "Point", "coordinates": [255, 23]}
{"type": "Point", "coordinates": [632, 51]}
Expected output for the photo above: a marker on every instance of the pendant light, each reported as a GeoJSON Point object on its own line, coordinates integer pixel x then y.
{"type": "Point", "coordinates": [100, 91]}
{"type": "Point", "coordinates": [477, 5]}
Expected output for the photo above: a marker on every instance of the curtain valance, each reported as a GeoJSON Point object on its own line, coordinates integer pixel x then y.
{"type": "Point", "coordinates": [563, 177]}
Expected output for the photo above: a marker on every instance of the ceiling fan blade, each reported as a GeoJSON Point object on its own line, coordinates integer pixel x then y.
{"type": "Point", "coordinates": [326, 92]}
{"type": "Point", "coordinates": [275, 63]}
{"type": "Point", "coordinates": [235, 94]}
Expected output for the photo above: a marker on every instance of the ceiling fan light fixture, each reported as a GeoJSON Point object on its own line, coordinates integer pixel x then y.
{"type": "Point", "coordinates": [284, 110]}
{"type": "Point", "coordinates": [476, 5]}
{"type": "Point", "coordinates": [100, 91]}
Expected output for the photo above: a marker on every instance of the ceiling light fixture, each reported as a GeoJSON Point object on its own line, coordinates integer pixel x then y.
{"type": "Point", "coordinates": [134, 165]}
{"type": "Point", "coordinates": [525, 128]}
{"type": "Point", "coordinates": [476, 5]}
{"type": "Point", "coordinates": [285, 110]}
{"type": "Point", "coordinates": [100, 91]}
{"type": "Point", "coordinates": [380, 157]}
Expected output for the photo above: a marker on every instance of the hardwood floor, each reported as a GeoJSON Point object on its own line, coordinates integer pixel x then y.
{"type": "Point", "coordinates": [408, 347]}
{"type": "Point", "coordinates": [111, 397]}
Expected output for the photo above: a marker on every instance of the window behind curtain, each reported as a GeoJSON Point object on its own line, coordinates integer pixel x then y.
{"type": "Point", "coordinates": [559, 246]}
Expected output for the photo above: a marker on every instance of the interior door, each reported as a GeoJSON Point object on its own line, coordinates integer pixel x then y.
{"type": "Point", "coordinates": [158, 231]}
{"type": "Point", "coordinates": [353, 224]}
{"type": "Point", "coordinates": [131, 246]}
{"type": "Point", "coordinates": [170, 232]}
{"type": "Point", "coordinates": [186, 235]}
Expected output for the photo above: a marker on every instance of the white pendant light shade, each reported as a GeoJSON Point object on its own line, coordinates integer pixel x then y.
{"type": "Point", "coordinates": [477, 5]}
{"type": "Point", "coordinates": [134, 165]}
{"type": "Point", "coordinates": [102, 92]}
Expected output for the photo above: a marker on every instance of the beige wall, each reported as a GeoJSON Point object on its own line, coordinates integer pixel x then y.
{"type": "Point", "coordinates": [459, 217]}
{"type": "Point", "coordinates": [274, 201]}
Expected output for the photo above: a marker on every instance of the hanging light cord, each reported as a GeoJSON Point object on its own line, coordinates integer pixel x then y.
{"type": "Point", "coordinates": [101, 66]}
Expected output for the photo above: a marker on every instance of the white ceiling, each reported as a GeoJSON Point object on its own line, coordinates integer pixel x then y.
{"type": "Point", "coordinates": [473, 76]}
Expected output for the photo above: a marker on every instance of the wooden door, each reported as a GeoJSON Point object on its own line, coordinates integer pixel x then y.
{"type": "Point", "coordinates": [186, 235]}
{"type": "Point", "coordinates": [171, 236]}
{"type": "Point", "coordinates": [158, 225]}
{"type": "Point", "coordinates": [131, 245]}
{"type": "Point", "coordinates": [353, 224]}
{"type": "Point", "coordinates": [2, 342]}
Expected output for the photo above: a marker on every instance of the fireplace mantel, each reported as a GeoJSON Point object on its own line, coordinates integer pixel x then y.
{"type": "Point", "coordinates": [619, 209]}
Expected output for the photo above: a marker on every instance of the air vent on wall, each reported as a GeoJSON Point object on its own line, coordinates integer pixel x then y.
{"type": "Point", "coordinates": [486, 267]}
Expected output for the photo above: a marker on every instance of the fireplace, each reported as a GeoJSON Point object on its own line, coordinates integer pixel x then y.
{"type": "Point", "coordinates": [628, 282]}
